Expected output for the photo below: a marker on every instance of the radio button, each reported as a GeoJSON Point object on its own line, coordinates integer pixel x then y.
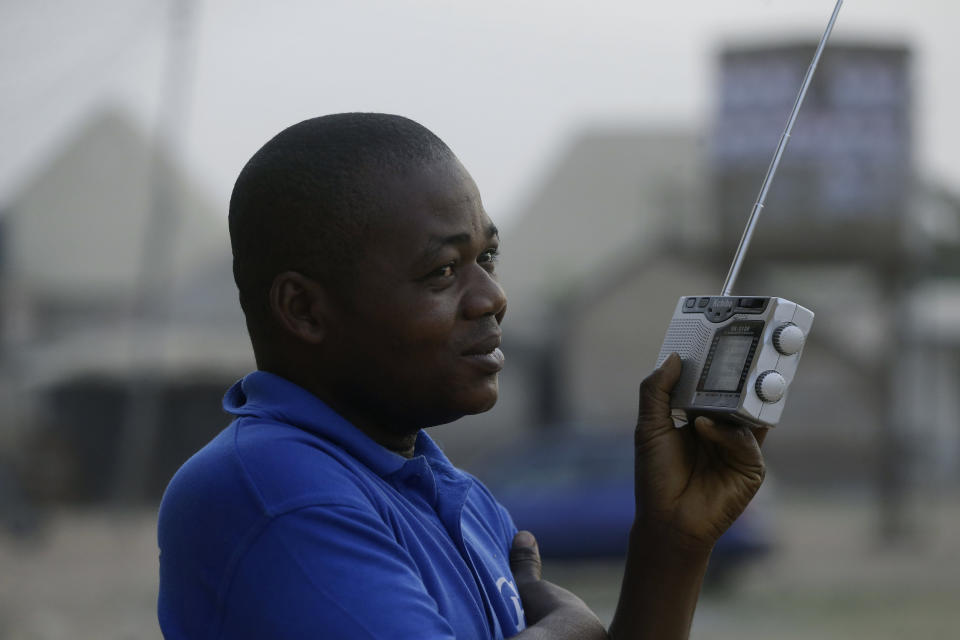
{"type": "Point", "coordinates": [788, 339]}
{"type": "Point", "coordinates": [771, 386]}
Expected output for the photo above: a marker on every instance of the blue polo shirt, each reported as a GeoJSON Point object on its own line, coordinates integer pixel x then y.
{"type": "Point", "coordinates": [292, 523]}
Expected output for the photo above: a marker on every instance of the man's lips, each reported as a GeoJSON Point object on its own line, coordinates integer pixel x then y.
{"type": "Point", "coordinates": [486, 354]}
{"type": "Point", "coordinates": [483, 347]}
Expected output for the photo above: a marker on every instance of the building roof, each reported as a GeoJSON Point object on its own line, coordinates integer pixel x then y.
{"type": "Point", "coordinates": [77, 229]}
{"type": "Point", "coordinates": [613, 196]}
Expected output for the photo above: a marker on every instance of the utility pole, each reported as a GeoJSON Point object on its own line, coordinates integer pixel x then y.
{"type": "Point", "coordinates": [150, 308]}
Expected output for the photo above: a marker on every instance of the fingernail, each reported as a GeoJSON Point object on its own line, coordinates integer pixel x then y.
{"type": "Point", "coordinates": [524, 539]}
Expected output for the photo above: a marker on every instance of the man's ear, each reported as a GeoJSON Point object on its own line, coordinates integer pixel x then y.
{"type": "Point", "coordinates": [298, 305]}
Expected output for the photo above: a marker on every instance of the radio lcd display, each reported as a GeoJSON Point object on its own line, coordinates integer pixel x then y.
{"type": "Point", "coordinates": [729, 360]}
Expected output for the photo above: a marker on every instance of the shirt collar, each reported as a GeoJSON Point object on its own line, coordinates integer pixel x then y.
{"type": "Point", "coordinates": [266, 395]}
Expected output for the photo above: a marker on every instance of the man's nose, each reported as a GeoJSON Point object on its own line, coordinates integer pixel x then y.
{"type": "Point", "coordinates": [485, 296]}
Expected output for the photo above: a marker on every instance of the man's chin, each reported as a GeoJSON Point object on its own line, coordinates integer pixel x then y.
{"type": "Point", "coordinates": [486, 400]}
{"type": "Point", "coordinates": [484, 407]}
{"type": "Point", "coordinates": [468, 407]}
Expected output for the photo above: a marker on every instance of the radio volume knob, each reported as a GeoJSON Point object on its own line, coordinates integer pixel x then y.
{"type": "Point", "coordinates": [771, 386]}
{"type": "Point", "coordinates": [788, 339]}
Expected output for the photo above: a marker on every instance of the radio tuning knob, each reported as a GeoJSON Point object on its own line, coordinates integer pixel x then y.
{"type": "Point", "coordinates": [771, 386]}
{"type": "Point", "coordinates": [788, 339]}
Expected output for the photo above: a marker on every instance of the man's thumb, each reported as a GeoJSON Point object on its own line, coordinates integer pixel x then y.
{"type": "Point", "coordinates": [525, 558]}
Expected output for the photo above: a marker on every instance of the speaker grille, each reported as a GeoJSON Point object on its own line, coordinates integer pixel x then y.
{"type": "Point", "coordinates": [689, 338]}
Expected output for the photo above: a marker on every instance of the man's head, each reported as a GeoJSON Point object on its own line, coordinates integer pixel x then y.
{"type": "Point", "coordinates": [305, 200]}
{"type": "Point", "coordinates": [364, 260]}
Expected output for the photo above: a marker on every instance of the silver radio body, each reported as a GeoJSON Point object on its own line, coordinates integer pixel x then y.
{"type": "Point", "coordinates": [740, 354]}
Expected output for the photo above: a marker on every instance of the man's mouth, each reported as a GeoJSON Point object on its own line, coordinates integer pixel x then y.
{"type": "Point", "coordinates": [484, 347]}
{"type": "Point", "coordinates": [487, 354]}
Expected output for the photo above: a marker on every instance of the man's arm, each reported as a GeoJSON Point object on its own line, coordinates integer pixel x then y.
{"type": "Point", "coordinates": [691, 484]}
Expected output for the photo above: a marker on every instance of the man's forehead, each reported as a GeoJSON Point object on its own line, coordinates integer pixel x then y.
{"type": "Point", "coordinates": [442, 181]}
{"type": "Point", "coordinates": [439, 198]}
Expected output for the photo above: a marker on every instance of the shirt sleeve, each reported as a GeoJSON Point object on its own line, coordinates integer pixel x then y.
{"type": "Point", "coordinates": [328, 572]}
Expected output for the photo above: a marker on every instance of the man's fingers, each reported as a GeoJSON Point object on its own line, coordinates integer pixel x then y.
{"type": "Point", "coordinates": [662, 380]}
{"type": "Point", "coordinates": [525, 558]}
{"type": "Point", "coordinates": [738, 444]}
{"type": "Point", "coordinates": [654, 414]}
{"type": "Point", "coordinates": [760, 433]}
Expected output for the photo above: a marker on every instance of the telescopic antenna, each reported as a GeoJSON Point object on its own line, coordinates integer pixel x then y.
{"type": "Point", "coordinates": [752, 223]}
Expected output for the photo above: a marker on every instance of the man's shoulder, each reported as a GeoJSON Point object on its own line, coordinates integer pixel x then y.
{"type": "Point", "coordinates": [267, 466]}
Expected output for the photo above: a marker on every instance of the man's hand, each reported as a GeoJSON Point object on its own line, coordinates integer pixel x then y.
{"type": "Point", "coordinates": [695, 481]}
{"type": "Point", "coordinates": [551, 612]}
{"type": "Point", "coordinates": [691, 484]}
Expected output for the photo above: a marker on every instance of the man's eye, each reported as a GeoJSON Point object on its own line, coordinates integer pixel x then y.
{"type": "Point", "coordinates": [489, 256]}
{"type": "Point", "coordinates": [445, 271]}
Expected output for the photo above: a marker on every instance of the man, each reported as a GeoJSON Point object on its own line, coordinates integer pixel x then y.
{"type": "Point", "coordinates": [366, 269]}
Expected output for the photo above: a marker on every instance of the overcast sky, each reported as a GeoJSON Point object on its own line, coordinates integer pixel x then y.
{"type": "Point", "coordinates": [505, 83]}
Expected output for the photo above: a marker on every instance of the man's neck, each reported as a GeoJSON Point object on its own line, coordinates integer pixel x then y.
{"type": "Point", "coordinates": [400, 443]}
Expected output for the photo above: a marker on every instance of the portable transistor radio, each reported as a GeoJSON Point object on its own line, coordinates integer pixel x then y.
{"type": "Point", "coordinates": [740, 353]}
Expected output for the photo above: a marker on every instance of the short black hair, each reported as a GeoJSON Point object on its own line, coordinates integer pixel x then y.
{"type": "Point", "coordinates": [304, 201]}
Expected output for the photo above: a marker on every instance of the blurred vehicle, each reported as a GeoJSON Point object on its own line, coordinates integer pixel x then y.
{"type": "Point", "coordinates": [574, 490]}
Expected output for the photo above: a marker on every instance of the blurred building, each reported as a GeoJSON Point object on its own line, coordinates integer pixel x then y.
{"type": "Point", "coordinates": [627, 221]}
{"type": "Point", "coordinates": [77, 338]}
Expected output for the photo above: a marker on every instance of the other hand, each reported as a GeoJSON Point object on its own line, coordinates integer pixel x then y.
{"type": "Point", "coordinates": [550, 611]}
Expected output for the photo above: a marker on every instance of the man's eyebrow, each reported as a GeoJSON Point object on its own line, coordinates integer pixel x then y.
{"type": "Point", "coordinates": [437, 243]}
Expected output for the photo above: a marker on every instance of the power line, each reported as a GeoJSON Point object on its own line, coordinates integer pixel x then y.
{"type": "Point", "coordinates": [88, 67]}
